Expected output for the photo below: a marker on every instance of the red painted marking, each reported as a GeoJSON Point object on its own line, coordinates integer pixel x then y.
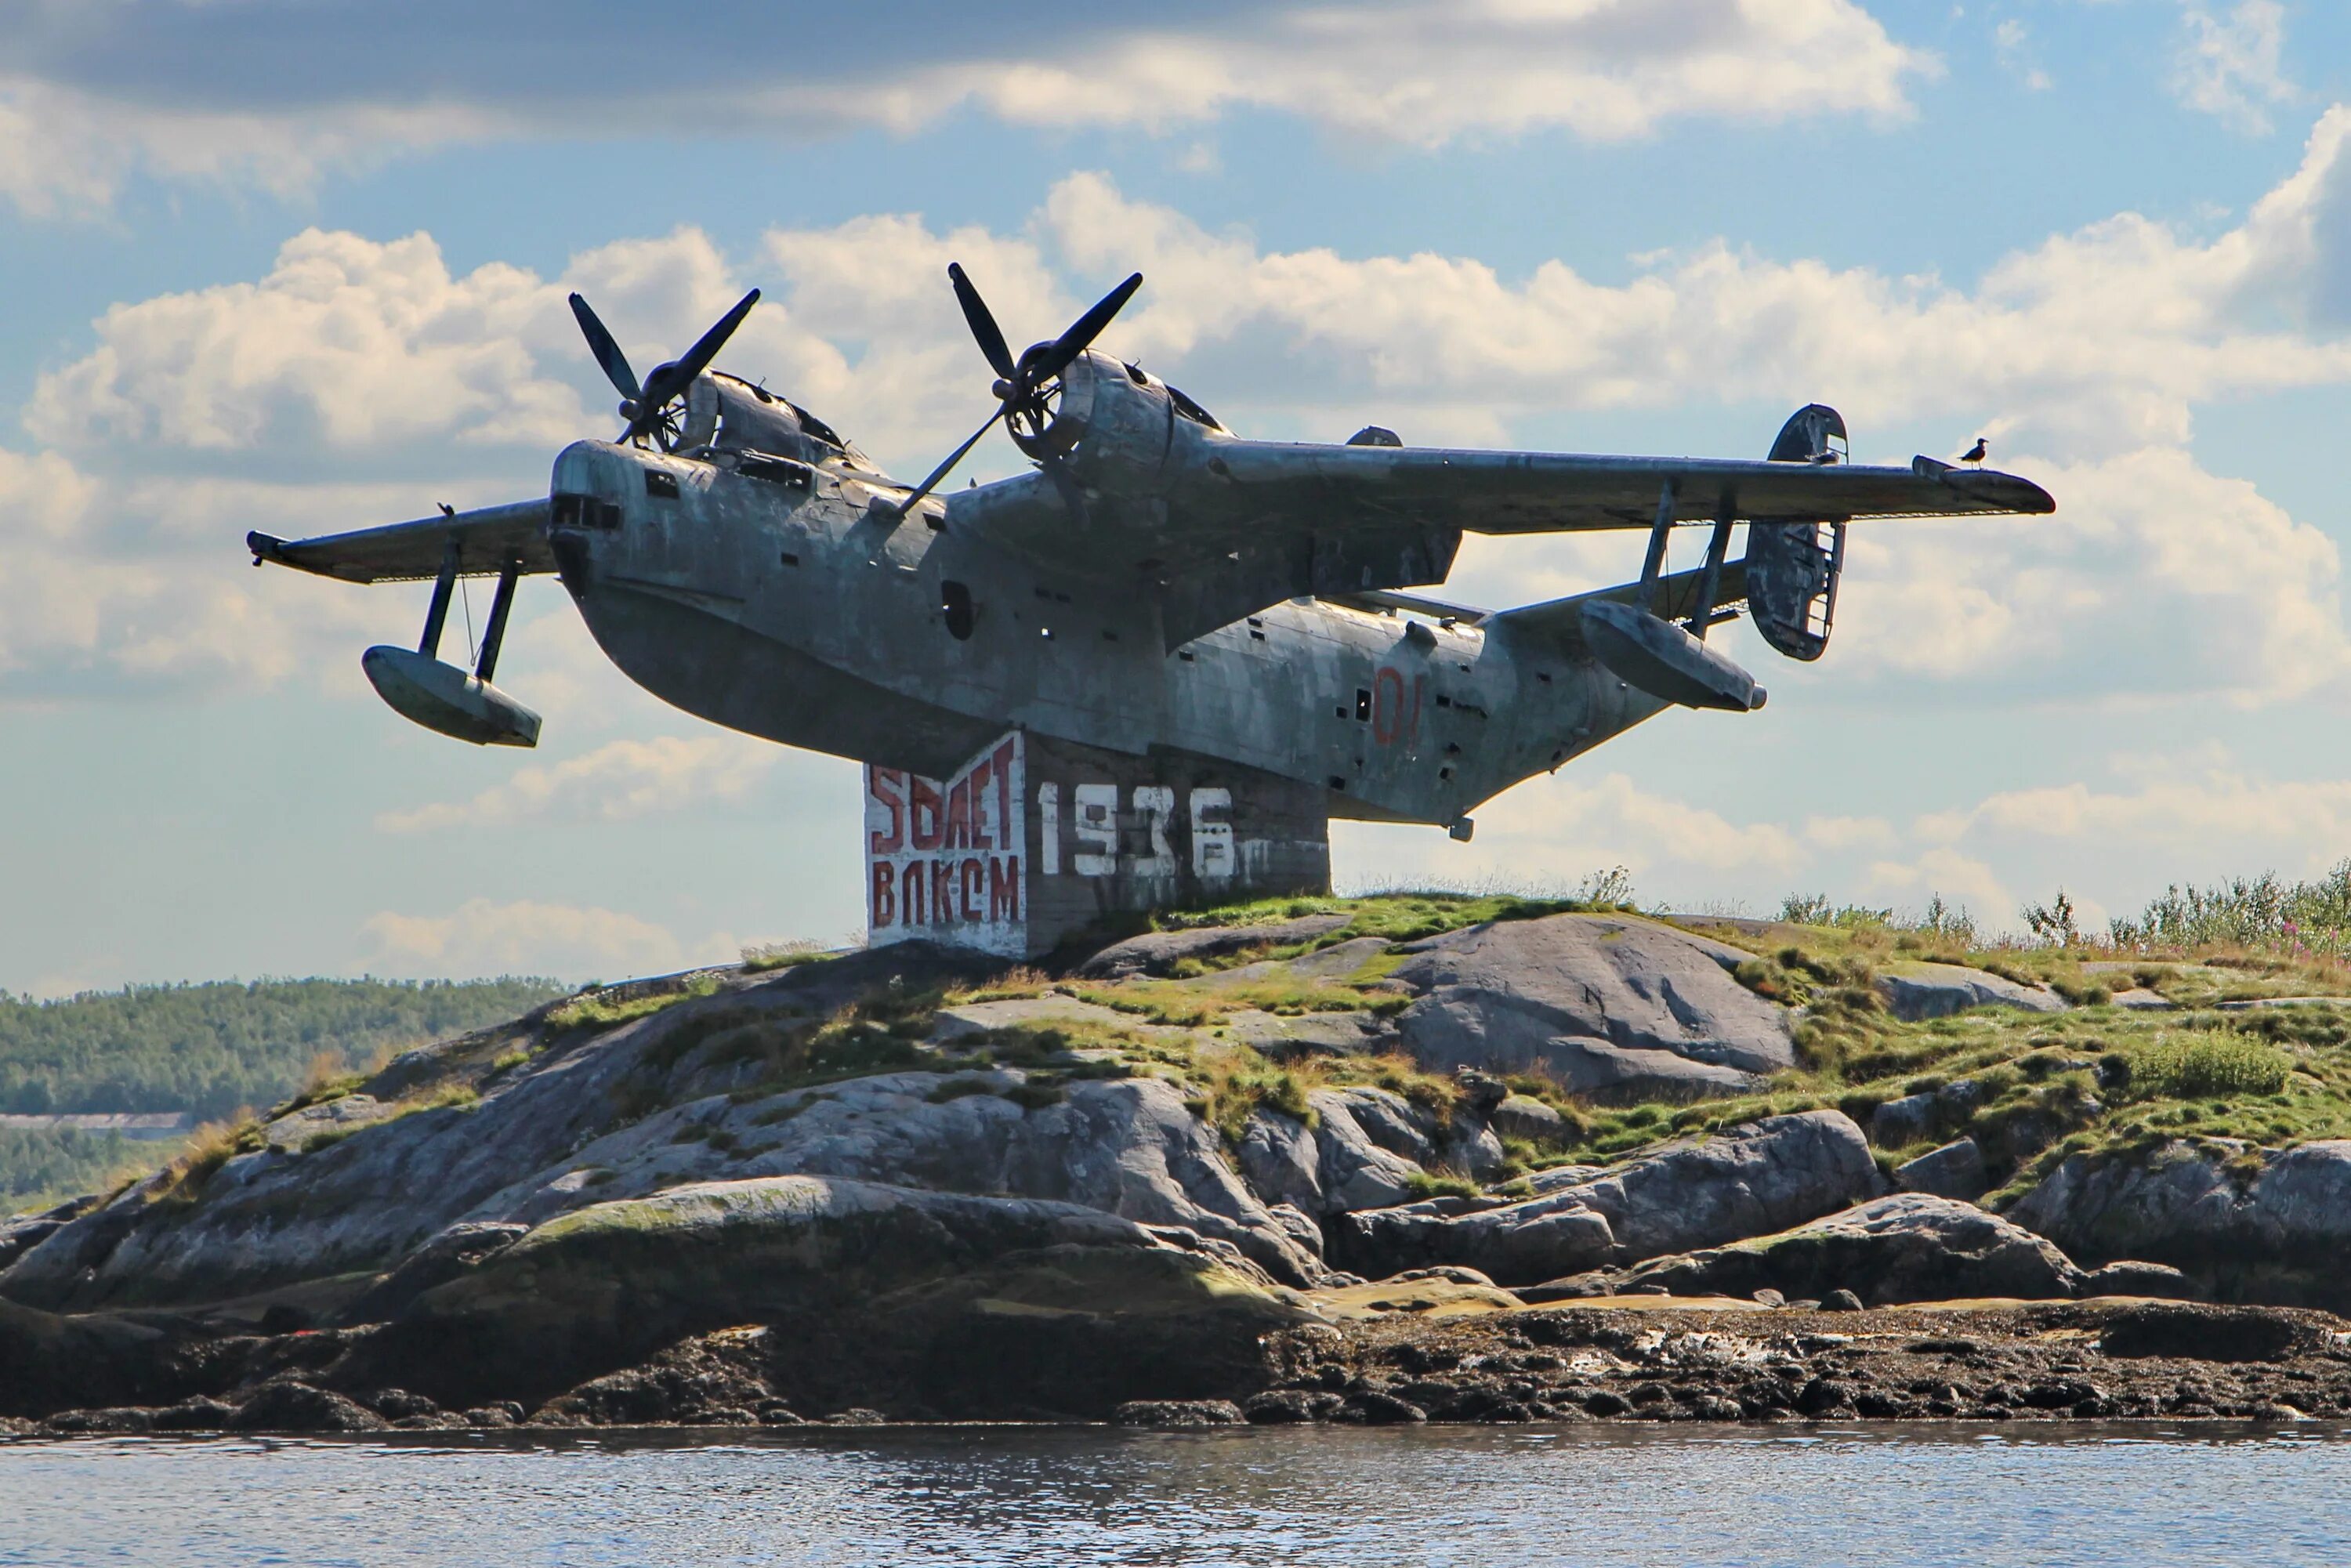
{"type": "Point", "coordinates": [1004, 887]}
{"type": "Point", "coordinates": [885, 893]}
{"type": "Point", "coordinates": [888, 785]}
{"type": "Point", "coordinates": [970, 883]}
{"type": "Point", "coordinates": [923, 809]}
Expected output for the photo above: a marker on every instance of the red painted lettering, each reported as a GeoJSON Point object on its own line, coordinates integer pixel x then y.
{"type": "Point", "coordinates": [885, 894]}
{"type": "Point", "coordinates": [978, 785]}
{"type": "Point", "coordinates": [924, 814]}
{"type": "Point", "coordinates": [967, 875]}
{"type": "Point", "coordinates": [942, 892]}
{"type": "Point", "coordinates": [1004, 887]}
{"type": "Point", "coordinates": [888, 785]}
{"type": "Point", "coordinates": [959, 815]}
{"type": "Point", "coordinates": [910, 895]}
{"type": "Point", "coordinates": [1005, 790]}
{"type": "Point", "coordinates": [1387, 706]}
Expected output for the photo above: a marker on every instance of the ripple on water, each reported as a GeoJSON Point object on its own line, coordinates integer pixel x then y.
{"type": "Point", "coordinates": [1065, 1496]}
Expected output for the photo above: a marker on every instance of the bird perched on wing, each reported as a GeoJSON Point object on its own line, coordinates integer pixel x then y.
{"type": "Point", "coordinates": [1974, 454]}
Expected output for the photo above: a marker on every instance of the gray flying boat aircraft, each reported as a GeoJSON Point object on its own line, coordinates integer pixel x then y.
{"type": "Point", "coordinates": [1155, 586]}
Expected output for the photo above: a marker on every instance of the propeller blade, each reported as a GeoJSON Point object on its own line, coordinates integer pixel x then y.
{"type": "Point", "coordinates": [941, 472]}
{"type": "Point", "coordinates": [1083, 331]}
{"type": "Point", "coordinates": [697, 358]}
{"type": "Point", "coordinates": [608, 353]}
{"type": "Point", "coordinates": [983, 324]}
{"type": "Point", "coordinates": [672, 380]}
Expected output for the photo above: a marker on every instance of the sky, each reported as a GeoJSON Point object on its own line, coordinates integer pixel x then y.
{"type": "Point", "coordinates": [300, 265]}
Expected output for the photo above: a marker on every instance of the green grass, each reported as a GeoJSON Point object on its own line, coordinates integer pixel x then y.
{"type": "Point", "coordinates": [592, 1010]}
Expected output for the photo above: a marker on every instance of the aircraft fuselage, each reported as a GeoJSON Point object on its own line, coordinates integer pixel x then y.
{"type": "Point", "coordinates": [776, 598]}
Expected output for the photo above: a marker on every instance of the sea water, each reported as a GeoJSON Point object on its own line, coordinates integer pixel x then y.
{"type": "Point", "coordinates": [1815, 1497]}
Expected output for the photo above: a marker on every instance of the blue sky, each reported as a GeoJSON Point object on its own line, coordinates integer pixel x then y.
{"type": "Point", "coordinates": [300, 265]}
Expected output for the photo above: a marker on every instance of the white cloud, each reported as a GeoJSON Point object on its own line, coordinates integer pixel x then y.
{"type": "Point", "coordinates": [69, 154]}
{"type": "Point", "coordinates": [482, 937]}
{"type": "Point", "coordinates": [2230, 66]}
{"type": "Point", "coordinates": [2011, 41]}
{"type": "Point", "coordinates": [618, 780]}
{"type": "Point", "coordinates": [1549, 832]}
{"type": "Point", "coordinates": [279, 95]}
{"type": "Point", "coordinates": [1427, 72]}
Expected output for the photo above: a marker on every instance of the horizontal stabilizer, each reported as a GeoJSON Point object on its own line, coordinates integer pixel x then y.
{"type": "Point", "coordinates": [1664, 660]}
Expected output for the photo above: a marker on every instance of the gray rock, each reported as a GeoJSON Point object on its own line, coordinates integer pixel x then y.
{"type": "Point", "coordinates": [331, 1118]}
{"type": "Point", "coordinates": [1607, 1003]}
{"type": "Point", "coordinates": [1178, 1413]}
{"type": "Point", "coordinates": [1898, 1123]}
{"type": "Point", "coordinates": [1758, 1178]}
{"type": "Point", "coordinates": [1955, 1170]}
{"type": "Point", "coordinates": [986, 1292]}
{"type": "Point", "coordinates": [2147, 1002]}
{"type": "Point", "coordinates": [567, 1135]}
{"type": "Point", "coordinates": [1524, 1116]}
{"type": "Point", "coordinates": [1158, 952]}
{"type": "Point", "coordinates": [1906, 1248]}
{"type": "Point", "coordinates": [2132, 1277]}
{"type": "Point", "coordinates": [1917, 991]}
{"type": "Point", "coordinates": [2283, 1236]}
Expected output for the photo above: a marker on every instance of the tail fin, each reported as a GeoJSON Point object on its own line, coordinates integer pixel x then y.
{"type": "Point", "coordinates": [1793, 563]}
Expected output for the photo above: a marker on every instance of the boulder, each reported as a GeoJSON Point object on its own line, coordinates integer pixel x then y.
{"type": "Point", "coordinates": [1755, 1179]}
{"type": "Point", "coordinates": [1955, 1170]}
{"type": "Point", "coordinates": [1913, 992]}
{"type": "Point", "coordinates": [1524, 1116]}
{"type": "Point", "coordinates": [2134, 1276]}
{"type": "Point", "coordinates": [1898, 1123]}
{"type": "Point", "coordinates": [2278, 1233]}
{"type": "Point", "coordinates": [1906, 1248]}
{"type": "Point", "coordinates": [1608, 1005]}
{"type": "Point", "coordinates": [920, 1302]}
{"type": "Point", "coordinates": [1367, 1148]}
{"type": "Point", "coordinates": [1158, 952]}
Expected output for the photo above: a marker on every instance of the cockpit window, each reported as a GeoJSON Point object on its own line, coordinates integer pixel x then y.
{"type": "Point", "coordinates": [1192, 411]}
{"type": "Point", "coordinates": [812, 425]}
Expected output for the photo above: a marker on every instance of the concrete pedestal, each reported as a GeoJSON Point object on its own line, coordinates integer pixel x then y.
{"type": "Point", "coordinates": [1033, 839]}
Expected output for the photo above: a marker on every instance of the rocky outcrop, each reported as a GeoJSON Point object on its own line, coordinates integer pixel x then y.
{"type": "Point", "coordinates": [868, 1292]}
{"type": "Point", "coordinates": [2249, 1223]}
{"type": "Point", "coordinates": [1758, 1178]}
{"type": "Point", "coordinates": [1608, 1005]}
{"type": "Point", "coordinates": [1366, 1148]}
{"type": "Point", "coordinates": [572, 1134]}
{"type": "Point", "coordinates": [1158, 952]}
{"type": "Point", "coordinates": [1955, 1170]}
{"type": "Point", "coordinates": [1917, 991]}
{"type": "Point", "coordinates": [1906, 1248]}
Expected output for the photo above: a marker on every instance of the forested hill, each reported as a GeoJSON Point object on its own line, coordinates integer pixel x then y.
{"type": "Point", "coordinates": [208, 1049]}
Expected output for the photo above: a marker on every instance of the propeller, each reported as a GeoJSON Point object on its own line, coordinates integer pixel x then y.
{"type": "Point", "coordinates": [1026, 389]}
{"type": "Point", "coordinates": [649, 407]}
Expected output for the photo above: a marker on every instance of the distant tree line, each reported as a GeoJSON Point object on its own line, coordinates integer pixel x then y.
{"type": "Point", "coordinates": [209, 1049]}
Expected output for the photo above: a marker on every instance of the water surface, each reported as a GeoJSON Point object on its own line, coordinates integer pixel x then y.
{"type": "Point", "coordinates": [1587, 1496]}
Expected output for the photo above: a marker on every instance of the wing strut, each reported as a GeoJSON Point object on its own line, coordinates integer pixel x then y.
{"type": "Point", "coordinates": [1702, 615]}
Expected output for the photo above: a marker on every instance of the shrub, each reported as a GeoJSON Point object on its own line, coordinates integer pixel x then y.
{"type": "Point", "coordinates": [1440, 1183]}
{"type": "Point", "coordinates": [2208, 1067]}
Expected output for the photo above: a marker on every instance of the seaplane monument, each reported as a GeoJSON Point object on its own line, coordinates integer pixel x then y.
{"type": "Point", "coordinates": [1150, 670]}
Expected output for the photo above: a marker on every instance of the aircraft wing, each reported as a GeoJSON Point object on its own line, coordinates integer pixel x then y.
{"type": "Point", "coordinates": [1540, 492]}
{"type": "Point", "coordinates": [1235, 526]}
{"type": "Point", "coordinates": [488, 538]}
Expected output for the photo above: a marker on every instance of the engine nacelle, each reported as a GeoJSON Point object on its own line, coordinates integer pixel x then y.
{"type": "Point", "coordinates": [1117, 423]}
